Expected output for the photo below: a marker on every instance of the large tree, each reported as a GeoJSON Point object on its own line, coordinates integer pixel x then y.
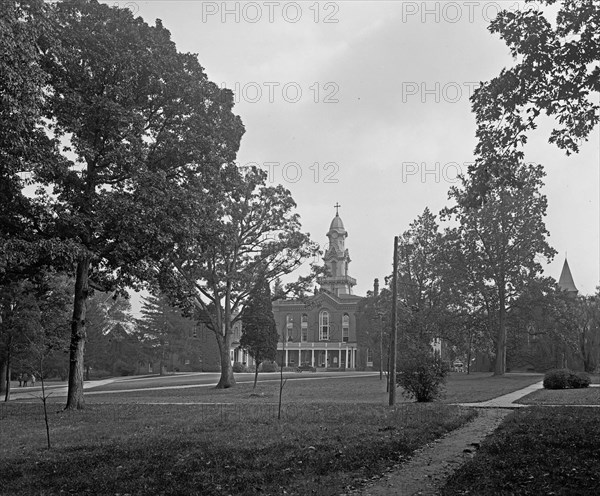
{"type": "Point", "coordinates": [556, 72]}
{"type": "Point", "coordinates": [128, 110]}
{"type": "Point", "coordinates": [500, 244]}
{"type": "Point", "coordinates": [250, 231]}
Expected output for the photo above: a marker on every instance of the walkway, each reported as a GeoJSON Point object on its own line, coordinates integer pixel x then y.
{"type": "Point", "coordinates": [508, 400]}
{"type": "Point", "coordinates": [429, 467]}
{"type": "Point", "coordinates": [29, 392]}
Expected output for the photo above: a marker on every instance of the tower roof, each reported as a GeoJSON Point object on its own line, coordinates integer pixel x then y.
{"type": "Point", "coordinates": [566, 279]}
{"type": "Point", "coordinates": [337, 223]}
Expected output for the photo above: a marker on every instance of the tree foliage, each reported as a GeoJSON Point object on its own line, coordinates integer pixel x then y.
{"type": "Point", "coordinates": [223, 248]}
{"type": "Point", "coordinates": [556, 72]}
{"type": "Point", "coordinates": [99, 106]}
{"type": "Point", "coordinates": [259, 331]}
{"type": "Point", "coordinates": [498, 246]}
{"type": "Point", "coordinates": [164, 331]}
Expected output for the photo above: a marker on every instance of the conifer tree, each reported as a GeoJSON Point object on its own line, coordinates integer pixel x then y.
{"type": "Point", "coordinates": [259, 331]}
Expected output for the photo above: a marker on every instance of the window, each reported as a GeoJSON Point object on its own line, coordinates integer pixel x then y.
{"type": "Point", "coordinates": [289, 326]}
{"type": "Point", "coordinates": [324, 325]}
{"type": "Point", "coordinates": [187, 361]}
{"type": "Point", "coordinates": [237, 332]}
{"type": "Point", "coordinates": [304, 328]}
{"type": "Point", "coordinates": [369, 357]}
{"type": "Point", "coordinates": [345, 328]}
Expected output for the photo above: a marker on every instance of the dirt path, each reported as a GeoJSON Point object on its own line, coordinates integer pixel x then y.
{"type": "Point", "coordinates": [429, 467]}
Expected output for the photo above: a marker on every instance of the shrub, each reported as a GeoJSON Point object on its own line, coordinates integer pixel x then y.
{"type": "Point", "coordinates": [268, 367]}
{"type": "Point", "coordinates": [422, 377]}
{"type": "Point", "coordinates": [123, 368]}
{"type": "Point", "coordinates": [239, 367]}
{"type": "Point", "coordinates": [557, 379]}
{"type": "Point", "coordinates": [580, 380]}
{"type": "Point", "coordinates": [565, 379]}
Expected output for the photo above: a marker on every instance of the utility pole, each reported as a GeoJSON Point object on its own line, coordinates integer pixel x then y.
{"type": "Point", "coordinates": [392, 376]}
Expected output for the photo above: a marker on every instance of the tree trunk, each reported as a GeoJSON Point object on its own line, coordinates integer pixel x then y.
{"type": "Point", "coordinates": [2, 375]}
{"type": "Point", "coordinates": [469, 351]}
{"type": "Point", "coordinates": [227, 379]}
{"type": "Point", "coordinates": [75, 398]}
{"type": "Point", "coordinates": [256, 365]}
{"type": "Point", "coordinates": [500, 365]}
{"type": "Point", "coordinates": [7, 393]}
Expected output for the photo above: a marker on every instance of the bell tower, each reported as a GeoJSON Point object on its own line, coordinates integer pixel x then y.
{"type": "Point", "coordinates": [336, 259]}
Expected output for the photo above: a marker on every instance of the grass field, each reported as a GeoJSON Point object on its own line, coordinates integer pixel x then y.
{"type": "Point", "coordinates": [334, 433]}
{"type": "Point", "coordinates": [585, 396]}
{"type": "Point", "coordinates": [212, 449]}
{"type": "Point", "coordinates": [535, 451]}
{"type": "Point", "coordinates": [308, 389]}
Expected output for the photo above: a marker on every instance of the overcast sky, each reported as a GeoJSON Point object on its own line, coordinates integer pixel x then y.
{"type": "Point", "coordinates": [366, 104]}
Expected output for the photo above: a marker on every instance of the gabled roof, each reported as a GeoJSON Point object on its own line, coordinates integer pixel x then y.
{"type": "Point", "coordinates": [319, 298]}
{"type": "Point", "coordinates": [566, 279]}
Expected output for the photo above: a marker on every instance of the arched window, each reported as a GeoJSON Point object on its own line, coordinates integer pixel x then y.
{"type": "Point", "coordinates": [304, 328]}
{"type": "Point", "coordinates": [333, 269]}
{"type": "Point", "coordinates": [324, 325]}
{"type": "Point", "coordinates": [237, 332]}
{"type": "Point", "coordinates": [289, 319]}
{"type": "Point", "coordinates": [345, 327]}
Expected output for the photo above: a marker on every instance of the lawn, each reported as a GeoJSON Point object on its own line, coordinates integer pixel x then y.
{"type": "Point", "coordinates": [535, 451]}
{"type": "Point", "coordinates": [322, 448]}
{"type": "Point", "coordinates": [585, 396]}
{"type": "Point", "coordinates": [480, 386]}
{"type": "Point", "coordinates": [334, 433]}
{"type": "Point", "coordinates": [309, 389]}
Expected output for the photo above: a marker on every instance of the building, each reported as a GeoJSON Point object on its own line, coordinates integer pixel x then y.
{"type": "Point", "coordinates": [321, 330]}
{"type": "Point", "coordinates": [565, 281]}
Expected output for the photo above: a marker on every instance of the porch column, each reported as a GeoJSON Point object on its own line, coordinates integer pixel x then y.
{"type": "Point", "coordinates": [286, 358]}
{"type": "Point", "coordinates": [347, 364]}
{"type": "Point", "coordinates": [312, 357]}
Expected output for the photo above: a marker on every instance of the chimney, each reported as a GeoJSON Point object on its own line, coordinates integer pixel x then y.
{"type": "Point", "coordinates": [376, 288]}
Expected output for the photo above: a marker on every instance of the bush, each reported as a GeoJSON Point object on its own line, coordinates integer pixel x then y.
{"type": "Point", "coordinates": [239, 367]}
{"type": "Point", "coordinates": [268, 367]}
{"type": "Point", "coordinates": [422, 377]}
{"type": "Point", "coordinates": [557, 379]}
{"type": "Point", "coordinates": [565, 379]}
{"type": "Point", "coordinates": [123, 368]}
{"type": "Point", "coordinates": [580, 380]}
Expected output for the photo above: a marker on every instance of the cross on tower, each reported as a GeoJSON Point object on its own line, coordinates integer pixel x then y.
{"type": "Point", "coordinates": [337, 206]}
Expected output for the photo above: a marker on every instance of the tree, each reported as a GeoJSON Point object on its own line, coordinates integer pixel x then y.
{"type": "Point", "coordinates": [499, 245]}
{"type": "Point", "coordinates": [108, 323]}
{"type": "Point", "coordinates": [33, 322]}
{"type": "Point", "coordinates": [19, 324]}
{"type": "Point", "coordinates": [259, 331]}
{"type": "Point", "coordinates": [225, 244]}
{"type": "Point", "coordinates": [420, 282]}
{"type": "Point", "coordinates": [556, 73]}
{"type": "Point", "coordinates": [163, 330]}
{"type": "Point", "coordinates": [128, 110]}
{"type": "Point", "coordinates": [587, 317]}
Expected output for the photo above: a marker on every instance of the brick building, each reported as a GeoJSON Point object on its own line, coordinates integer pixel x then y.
{"type": "Point", "coordinates": [321, 330]}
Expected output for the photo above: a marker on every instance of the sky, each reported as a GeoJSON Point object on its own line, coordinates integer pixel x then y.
{"type": "Point", "coordinates": [367, 104]}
